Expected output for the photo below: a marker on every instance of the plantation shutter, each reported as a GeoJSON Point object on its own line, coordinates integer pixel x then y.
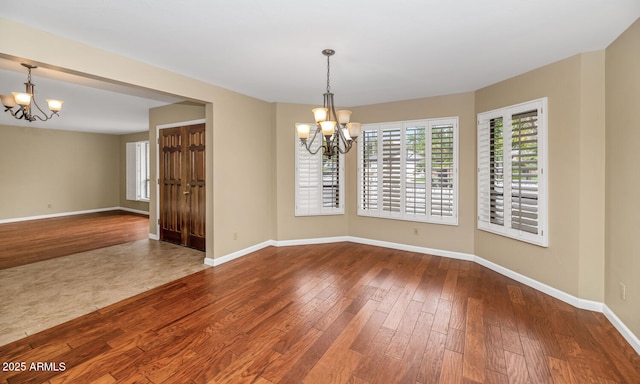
{"type": "Point", "coordinates": [408, 170]}
{"type": "Point", "coordinates": [131, 190]}
{"type": "Point", "coordinates": [318, 181]}
{"type": "Point", "coordinates": [391, 170]}
{"type": "Point", "coordinates": [331, 181]}
{"type": "Point", "coordinates": [496, 171]}
{"type": "Point", "coordinates": [368, 156]}
{"type": "Point", "coordinates": [512, 195]}
{"type": "Point", "coordinates": [524, 171]}
{"type": "Point", "coordinates": [415, 171]}
{"type": "Point", "coordinates": [442, 170]}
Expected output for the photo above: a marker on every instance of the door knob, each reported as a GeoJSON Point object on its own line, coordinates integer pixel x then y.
{"type": "Point", "coordinates": [186, 192]}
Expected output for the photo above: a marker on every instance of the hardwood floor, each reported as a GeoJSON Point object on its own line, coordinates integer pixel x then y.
{"type": "Point", "coordinates": [332, 313]}
{"type": "Point", "coordinates": [36, 240]}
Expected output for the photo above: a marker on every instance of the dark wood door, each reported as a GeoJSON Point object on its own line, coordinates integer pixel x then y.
{"type": "Point", "coordinates": [182, 185]}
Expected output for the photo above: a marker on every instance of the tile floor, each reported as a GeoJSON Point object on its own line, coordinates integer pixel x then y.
{"type": "Point", "coordinates": [38, 296]}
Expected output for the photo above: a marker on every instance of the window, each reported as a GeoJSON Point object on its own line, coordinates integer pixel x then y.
{"type": "Point", "coordinates": [319, 182]}
{"type": "Point", "coordinates": [512, 182]}
{"type": "Point", "coordinates": [138, 171]}
{"type": "Point", "coordinates": [408, 170]}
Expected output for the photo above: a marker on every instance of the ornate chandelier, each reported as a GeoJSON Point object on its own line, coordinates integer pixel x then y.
{"type": "Point", "coordinates": [25, 100]}
{"type": "Point", "coordinates": [337, 132]}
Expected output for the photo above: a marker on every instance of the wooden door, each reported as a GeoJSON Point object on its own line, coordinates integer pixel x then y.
{"type": "Point", "coordinates": [182, 185]}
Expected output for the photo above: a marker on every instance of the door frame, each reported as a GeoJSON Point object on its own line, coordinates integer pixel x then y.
{"type": "Point", "coordinates": [157, 162]}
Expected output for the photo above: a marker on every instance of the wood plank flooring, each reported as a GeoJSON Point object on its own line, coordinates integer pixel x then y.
{"type": "Point", "coordinates": [332, 313]}
{"type": "Point", "coordinates": [31, 241]}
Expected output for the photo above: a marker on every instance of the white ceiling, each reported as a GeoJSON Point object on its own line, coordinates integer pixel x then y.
{"type": "Point", "coordinates": [271, 50]}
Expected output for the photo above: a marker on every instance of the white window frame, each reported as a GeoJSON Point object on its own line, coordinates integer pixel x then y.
{"type": "Point", "coordinates": [138, 182]}
{"type": "Point", "coordinates": [377, 209]}
{"type": "Point", "coordinates": [485, 223]}
{"type": "Point", "coordinates": [309, 199]}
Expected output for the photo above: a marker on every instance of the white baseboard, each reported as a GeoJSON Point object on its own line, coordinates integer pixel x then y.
{"type": "Point", "coordinates": [232, 256]}
{"type": "Point", "coordinates": [61, 214]}
{"type": "Point", "coordinates": [622, 328]}
{"type": "Point", "coordinates": [321, 240]}
{"type": "Point", "coordinates": [131, 210]}
{"type": "Point", "coordinates": [551, 291]}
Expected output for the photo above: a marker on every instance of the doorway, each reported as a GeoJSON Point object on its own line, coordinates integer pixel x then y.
{"type": "Point", "coordinates": [181, 182]}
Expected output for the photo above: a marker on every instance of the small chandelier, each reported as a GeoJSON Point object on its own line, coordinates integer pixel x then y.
{"type": "Point", "coordinates": [337, 132]}
{"type": "Point", "coordinates": [25, 100]}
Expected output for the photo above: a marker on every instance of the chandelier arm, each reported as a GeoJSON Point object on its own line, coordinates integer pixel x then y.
{"type": "Point", "coordinates": [20, 113]}
{"type": "Point", "coordinates": [309, 143]}
{"type": "Point", "coordinates": [347, 146]}
{"type": "Point", "coordinates": [34, 116]}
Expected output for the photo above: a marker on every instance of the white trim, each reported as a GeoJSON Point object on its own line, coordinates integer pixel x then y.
{"type": "Point", "coordinates": [180, 124]}
{"type": "Point", "coordinates": [61, 214]}
{"type": "Point", "coordinates": [133, 211]}
{"type": "Point", "coordinates": [549, 290]}
{"type": "Point", "coordinates": [232, 256]}
{"type": "Point", "coordinates": [622, 328]}
{"type": "Point", "coordinates": [320, 240]}
{"type": "Point", "coordinates": [544, 288]}
{"type": "Point", "coordinates": [412, 248]}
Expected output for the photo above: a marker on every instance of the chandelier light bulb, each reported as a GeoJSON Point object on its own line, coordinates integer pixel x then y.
{"type": "Point", "coordinates": [54, 105]}
{"type": "Point", "coordinates": [344, 116]}
{"type": "Point", "coordinates": [303, 130]}
{"type": "Point", "coordinates": [328, 127]}
{"type": "Point", "coordinates": [22, 98]}
{"type": "Point", "coordinates": [320, 114]}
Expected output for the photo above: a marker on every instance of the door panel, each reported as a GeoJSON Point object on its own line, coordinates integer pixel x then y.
{"type": "Point", "coordinates": [182, 185]}
{"type": "Point", "coordinates": [196, 187]}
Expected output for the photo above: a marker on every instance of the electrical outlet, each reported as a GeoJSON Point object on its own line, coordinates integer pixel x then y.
{"type": "Point", "coordinates": [415, 231]}
{"type": "Point", "coordinates": [623, 291]}
{"type": "Point", "coordinates": [235, 235]}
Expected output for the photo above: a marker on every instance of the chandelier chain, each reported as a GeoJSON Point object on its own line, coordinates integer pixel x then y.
{"type": "Point", "coordinates": [328, 74]}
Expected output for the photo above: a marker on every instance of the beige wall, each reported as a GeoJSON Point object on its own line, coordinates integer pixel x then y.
{"type": "Point", "coordinates": [45, 172]}
{"type": "Point", "coordinates": [170, 114]}
{"type": "Point", "coordinates": [623, 176]}
{"type": "Point", "coordinates": [570, 137]}
{"type": "Point", "coordinates": [445, 237]}
{"type": "Point", "coordinates": [238, 131]}
{"type": "Point", "coordinates": [288, 226]}
{"type": "Point", "coordinates": [130, 204]}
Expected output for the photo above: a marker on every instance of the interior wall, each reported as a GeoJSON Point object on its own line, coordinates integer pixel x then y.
{"type": "Point", "coordinates": [622, 177]}
{"type": "Point", "coordinates": [238, 130]}
{"type": "Point", "coordinates": [124, 202]}
{"type": "Point", "coordinates": [560, 265]}
{"type": "Point", "coordinates": [168, 114]}
{"type": "Point", "coordinates": [444, 237]}
{"type": "Point", "coordinates": [289, 226]}
{"type": "Point", "coordinates": [46, 172]}
{"type": "Point", "coordinates": [243, 173]}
